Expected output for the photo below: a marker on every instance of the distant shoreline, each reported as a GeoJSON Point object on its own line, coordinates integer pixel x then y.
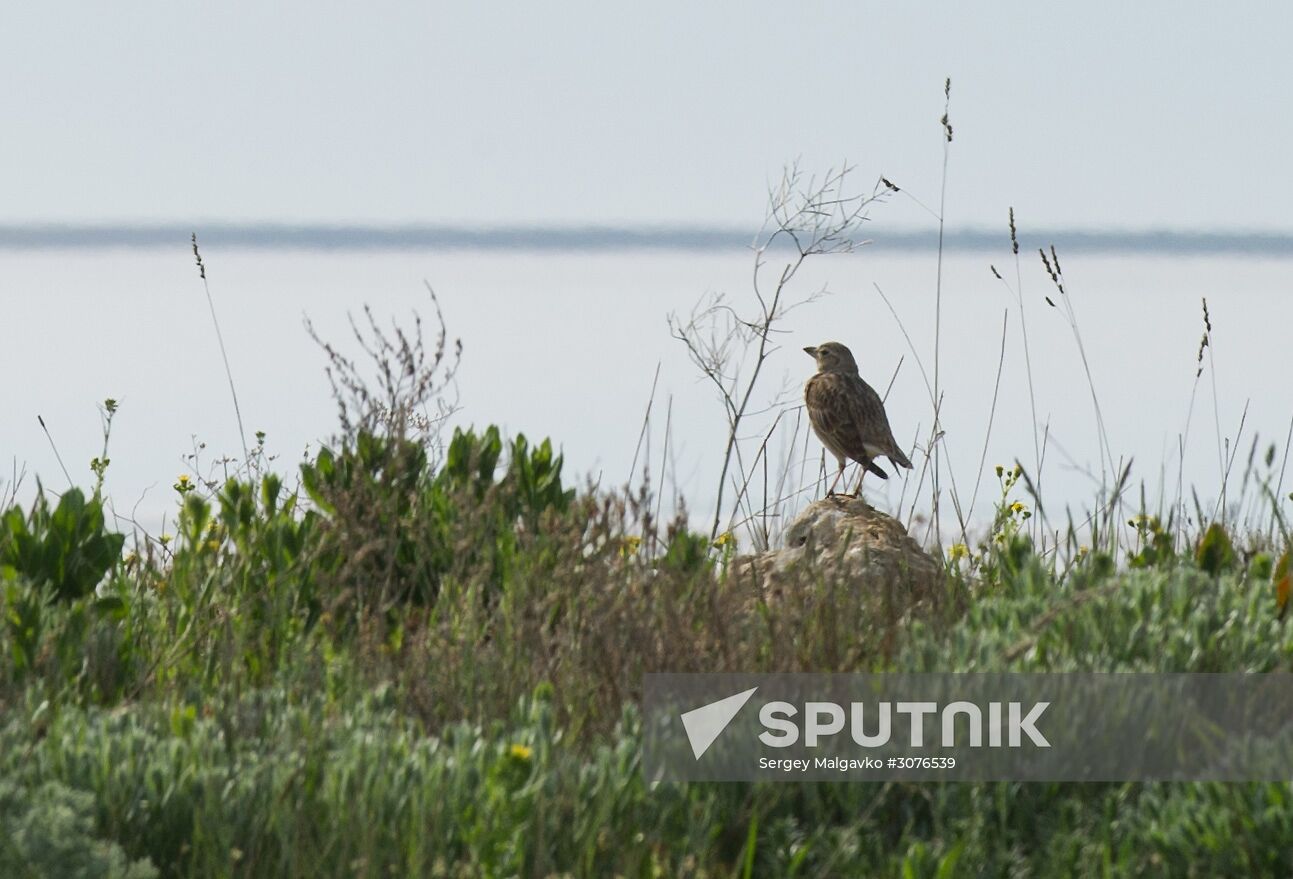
{"type": "Point", "coordinates": [357, 237]}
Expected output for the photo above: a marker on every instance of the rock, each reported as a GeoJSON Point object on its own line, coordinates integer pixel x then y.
{"type": "Point", "coordinates": [844, 540]}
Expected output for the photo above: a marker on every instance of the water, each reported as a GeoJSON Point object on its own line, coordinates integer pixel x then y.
{"type": "Point", "coordinates": [566, 344]}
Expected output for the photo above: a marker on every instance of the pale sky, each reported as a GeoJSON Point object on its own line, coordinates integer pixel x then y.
{"type": "Point", "coordinates": [1094, 115]}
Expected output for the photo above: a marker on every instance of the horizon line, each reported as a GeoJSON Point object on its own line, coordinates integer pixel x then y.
{"type": "Point", "coordinates": [602, 237]}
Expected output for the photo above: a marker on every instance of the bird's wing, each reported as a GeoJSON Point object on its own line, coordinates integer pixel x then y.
{"type": "Point", "coordinates": [827, 397]}
{"type": "Point", "coordinates": [872, 425]}
{"type": "Point", "coordinates": [831, 414]}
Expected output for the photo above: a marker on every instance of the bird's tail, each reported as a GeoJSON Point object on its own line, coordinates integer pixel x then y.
{"type": "Point", "coordinates": [899, 458]}
{"type": "Point", "coordinates": [872, 467]}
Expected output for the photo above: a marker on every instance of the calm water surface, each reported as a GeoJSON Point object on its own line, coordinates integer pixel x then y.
{"type": "Point", "coordinates": [567, 344]}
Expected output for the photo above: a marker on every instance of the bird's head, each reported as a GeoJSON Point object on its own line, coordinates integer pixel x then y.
{"type": "Point", "coordinates": [832, 357]}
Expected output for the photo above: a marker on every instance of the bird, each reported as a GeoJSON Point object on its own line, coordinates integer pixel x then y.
{"type": "Point", "coordinates": [848, 415]}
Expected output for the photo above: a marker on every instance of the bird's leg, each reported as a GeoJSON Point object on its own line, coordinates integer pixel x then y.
{"type": "Point", "coordinates": [831, 490]}
{"type": "Point", "coordinates": [861, 476]}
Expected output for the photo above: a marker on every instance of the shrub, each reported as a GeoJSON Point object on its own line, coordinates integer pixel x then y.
{"type": "Point", "coordinates": [68, 548]}
{"type": "Point", "coordinates": [48, 833]}
{"type": "Point", "coordinates": [396, 529]}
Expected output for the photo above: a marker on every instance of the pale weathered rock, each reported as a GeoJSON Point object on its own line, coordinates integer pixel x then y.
{"type": "Point", "coordinates": [844, 540]}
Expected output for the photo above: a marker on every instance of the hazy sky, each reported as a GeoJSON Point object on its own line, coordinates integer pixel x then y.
{"type": "Point", "coordinates": [1097, 114]}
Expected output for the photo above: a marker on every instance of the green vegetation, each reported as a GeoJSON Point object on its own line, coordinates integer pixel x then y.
{"type": "Point", "coordinates": [414, 669]}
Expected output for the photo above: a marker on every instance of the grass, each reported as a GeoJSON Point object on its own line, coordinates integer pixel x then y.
{"type": "Point", "coordinates": [217, 711]}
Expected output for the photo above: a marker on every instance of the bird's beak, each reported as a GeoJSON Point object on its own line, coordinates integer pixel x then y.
{"type": "Point", "coordinates": [810, 351]}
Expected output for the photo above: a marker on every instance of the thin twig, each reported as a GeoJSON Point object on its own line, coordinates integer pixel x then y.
{"type": "Point", "coordinates": [992, 413]}
{"type": "Point", "coordinates": [57, 456]}
{"type": "Point", "coordinates": [646, 424]}
{"type": "Point", "coordinates": [233, 392]}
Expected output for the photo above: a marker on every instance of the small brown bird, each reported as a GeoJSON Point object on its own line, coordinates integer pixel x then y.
{"type": "Point", "coordinates": [847, 414]}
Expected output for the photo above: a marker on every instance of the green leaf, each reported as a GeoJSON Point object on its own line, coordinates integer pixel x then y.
{"type": "Point", "coordinates": [947, 866]}
{"type": "Point", "coordinates": [747, 869]}
{"type": "Point", "coordinates": [1216, 553]}
{"type": "Point", "coordinates": [110, 605]}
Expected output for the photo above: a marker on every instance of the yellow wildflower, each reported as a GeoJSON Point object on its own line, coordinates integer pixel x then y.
{"type": "Point", "coordinates": [521, 752]}
{"type": "Point", "coordinates": [958, 551]}
{"type": "Point", "coordinates": [630, 545]}
{"type": "Point", "coordinates": [724, 539]}
{"type": "Point", "coordinates": [1017, 508]}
